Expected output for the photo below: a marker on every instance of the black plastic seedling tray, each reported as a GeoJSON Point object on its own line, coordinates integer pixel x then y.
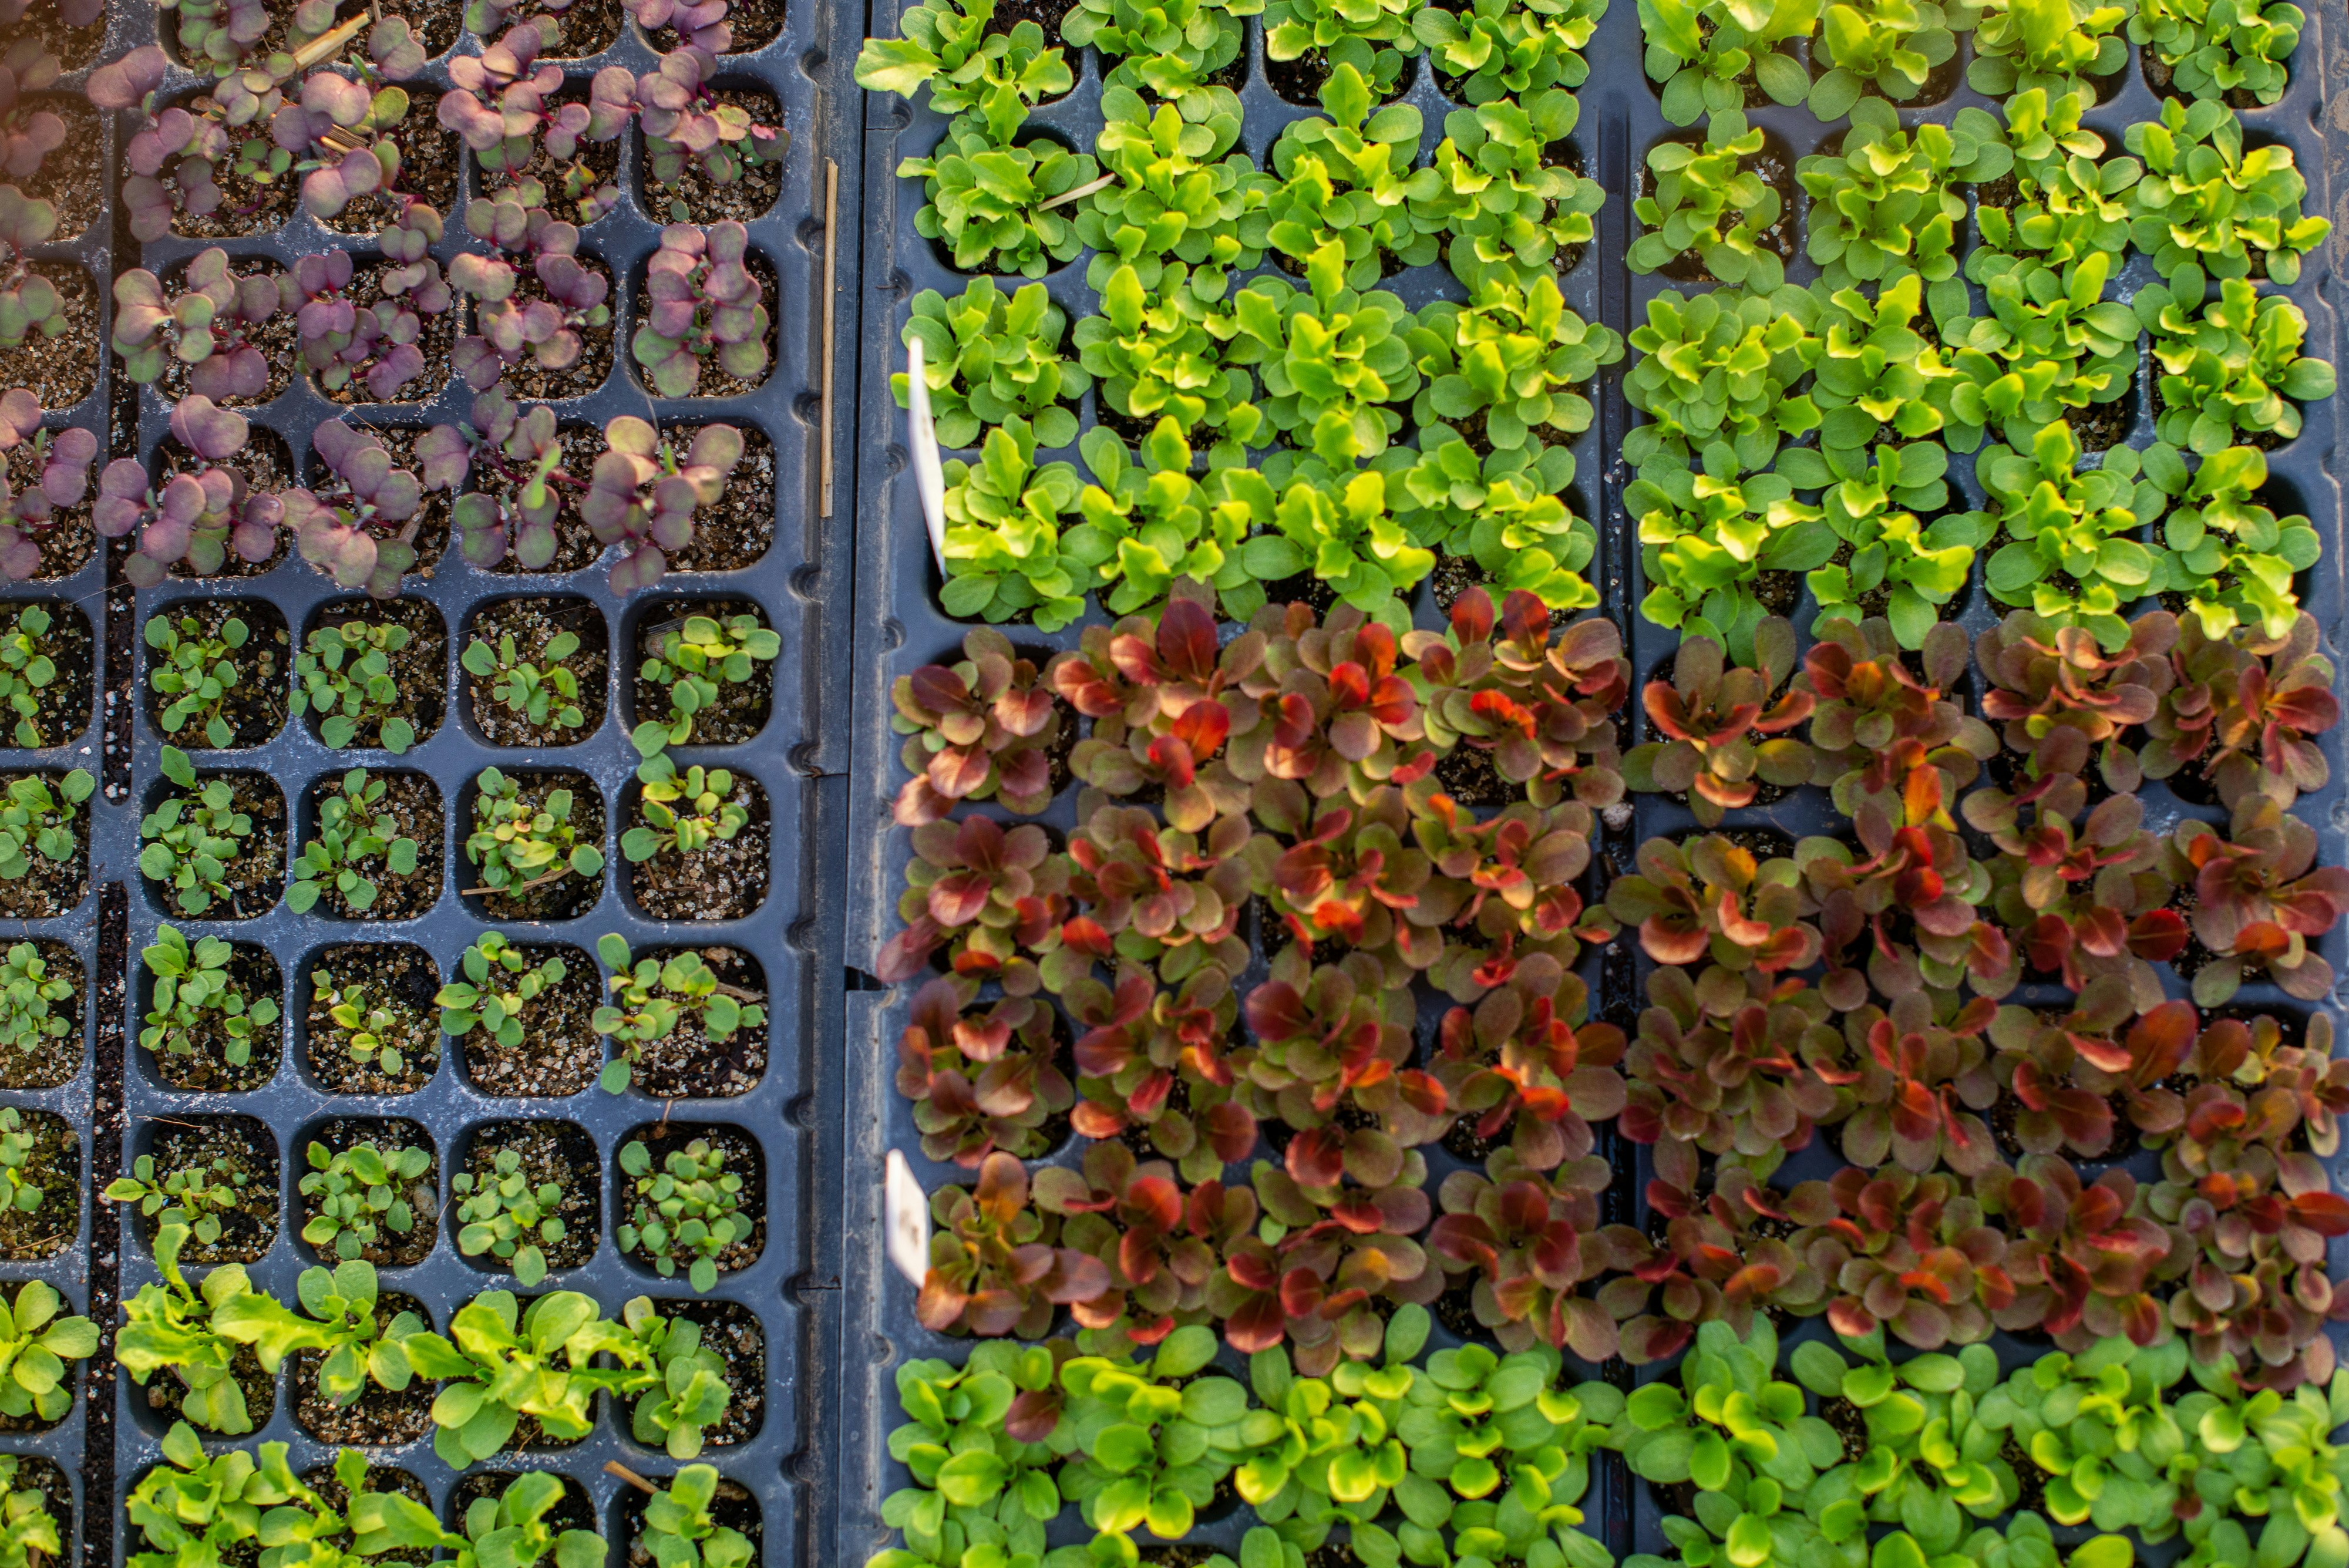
{"type": "Point", "coordinates": [900, 627]}
{"type": "Point", "coordinates": [120, 1107]}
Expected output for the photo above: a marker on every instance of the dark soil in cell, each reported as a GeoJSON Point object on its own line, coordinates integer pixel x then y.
{"type": "Point", "coordinates": [723, 880]}
{"type": "Point", "coordinates": [60, 709]}
{"type": "Point", "coordinates": [67, 540]}
{"type": "Point", "coordinates": [558, 1152]}
{"type": "Point", "coordinates": [2101, 426]}
{"type": "Point", "coordinates": [686, 1064]}
{"type": "Point", "coordinates": [1046, 14]}
{"type": "Point", "coordinates": [532, 623]}
{"type": "Point", "coordinates": [528, 381]}
{"type": "Point", "coordinates": [254, 707]}
{"type": "Point", "coordinates": [715, 383]}
{"type": "Point", "coordinates": [564, 896]}
{"type": "Point", "coordinates": [732, 1333]}
{"type": "Point", "coordinates": [267, 467]}
{"type": "Point", "coordinates": [413, 803]}
{"type": "Point", "coordinates": [437, 338]}
{"type": "Point", "coordinates": [694, 198]}
{"type": "Point", "coordinates": [1455, 1309]}
{"type": "Point", "coordinates": [204, 1066]}
{"type": "Point", "coordinates": [743, 707]}
{"type": "Point", "coordinates": [743, 1159]}
{"type": "Point", "coordinates": [585, 26]}
{"type": "Point", "coordinates": [392, 1249]}
{"type": "Point", "coordinates": [321, 1480]}
{"type": "Point", "coordinates": [574, 546]}
{"type": "Point", "coordinates": [73, 48]}
{"type": "Point", "coordinates": [420, 669]}
{"type": "Point", "coordinates": [49, 888]}
{"type": "Point", "coordinates": [737, 530]}
{"type": "Point", "coordinates": [70, 181]}
{"type": "Point", "coordinates": [35, 1473]}
{"type": "Point", "coordinates": [394, 978]}
{"type": "Point", "coordinates": [1469, 777]}
{"type": "Point", "coordinates": [427, 169]}
{"type": "Point", "coordinates": [50, 1061]}
{"type": "Point", "coordinates": [1849, 1425]}
{"type": "Point", "coordinates": [2158, 76]}
{"type": "Point", "coordinates": [165, 1390]}
{"type": "Point", "coordinates": [279, 339]}
{"type": "Point", "coordinates": [1179, 1556]}
{"type": "Point", "coordinates": [733, 1509]}
{"type": "Point", "coordinates": [436, 24]}
{"type": "Point", "coordinates": [256, 878]}
{"type": "Point", "coordinates": [560, 1053]}
{"type": "Point", "coordinates": [228, 1147]}
{"type": "Point", "coordinates": [378, 1418]}
{"type": "Point", "coordinates": [53, 1164]}
{"type": "Point", "coordinates": [61, 371]}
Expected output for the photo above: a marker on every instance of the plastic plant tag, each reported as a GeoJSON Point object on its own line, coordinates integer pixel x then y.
{"type": "Point", "coordinates": [929, 479]}
{"type": "Point", "coordinates": [906, 1206]}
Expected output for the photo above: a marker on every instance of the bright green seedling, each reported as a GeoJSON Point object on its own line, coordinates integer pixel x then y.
{"type": "Point", "coordinates": [1705, 544]}
{"type": "Point", "coordinates": [194, 672]}
{"type": "Point", "coordinates": [2083, 525]}
{"type": "Point", "coordinates": [1347, 178]}
{"type": "Point", "coordinates": [1174, 190]}
{"type": "Point", "coordinates": [518, 846]}
{"type": "Point", "coordinates": [1512, 361]}
{"type": "Point", "coordinates": [1706, 203]}
{"type": "Point", "coordinates": [651, 996]}
{"type": "Point", "coordinates": [1932, 1464]}
{"type": "Point", "coordinates": [689, 1394]}
{"type": "Point", "coordinates": [1717, 375]}
{"type": "Point", "coordinates": [19, 1190]}
{"type": "Point", "coordinates": [1702, 51]}
{"type": "Point", "coordinates": [2112, 1452]}
{"type": "Point", "coordinates": [169, 1324]}
{"type": "Point", "coordinates": [1513, 522]}
{"type": "Point", "coordinates": [971, 68]}
{"type": "Point", "coordinates": [1146, 1443]}
{"type": "Point", "coordinates": [337, 1319]}
{"type": "Point", "coordinates": [28, 1531]}
{"type": "Point", "coordinates": [1509, 49]}
{"type": "Point", "coordinates": [1146, 524]}
{"type": "Point", "coordinates": [2051, 342]}
{"type": "Point", "coordinates": [2206, 202]}
{"type": "Point", "coordinates": [1003, 534]}
{"type": "Point", "coordinates": [196, 1509]}
{"type": "Point", "coordinates": [1892, 46]}
{"type": "Point", "coordinates": [540, 692]}
{"type": "Point", "coordinates": [2215, 47]}
{"type": "Point", "coordinates": [362, 1191]}
{"type": "Point", "coordinates": [690, 1207]}
{"type": "Point", "coordinates": [980, 1475]}
{"type": "Point", "coordinates": [693, 662]}
{"type": "Point", "coordinates": [685, 810]}
{"type": "Point", "coordinates": [357, 842]}
{"type": "Point", "coordinates": [1152, 354]}
{"type": "Point", "coordinates": [1168, 48]}
{"type": "Point", "coordinates": [344, 677]}
{"type": "Point", "coordinates": [1327, 352]}
{"type": "Point", "coordinates": [26, 670]}
{"type": "Point", "coordinates": [30, 991]}
{"type": "Point", "coordinates": [499, 1363]}
{"type": "Point", "coordinates": [2069, 198]}
{"type": "Point", "coordinates": [1324, 1450]}
{"type": "Point", "coordinates": [2231, 559]}
{"type": "Point", "coordinates": [2045, 44]}
{"type": "Point", "coordinates": [2269, 1457]}
{"type": "Point", "coordinates": [34, 1346]}
{"type": "Point", "coordinates": [1871, 501]}
{"type": "Point", "coordinates": [680, 1531]}
{"type": "Point", "coordinates": [499, 983]}
{"type": "Point", "coordinates": [985, 357]}
{"type": "Point", "coordinates": [191, 837]}
{"type": "Point", "coordinates": [509, 1530]}
{"type": "Point", "coordinates": [994, 202]}
{"type": "Point", "coordinates": [194, 993]}
{"type": "Point", "coordinates": [1885, 201]}
{"type": "Point", "coordinates": [1499, 1458]}
{"type": "Point", "coordinates": [193, 1196]}
{"type": "Point", "coordinates": [502, 1213]}
{"type": "Point", "coordinates": [1878, 377]}
{"type": "Point", "coordinates": [1343, 534]}
{"type": "Point", "coordinates": [1493, 189]}
{"type": "Point", "coordinates": [37, 820]}
{"type": "Point", "coordinates": [2235, 369]}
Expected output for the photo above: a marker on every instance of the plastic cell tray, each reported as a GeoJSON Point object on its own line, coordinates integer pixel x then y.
{"type": "Point", "coordinates": [901, 627]}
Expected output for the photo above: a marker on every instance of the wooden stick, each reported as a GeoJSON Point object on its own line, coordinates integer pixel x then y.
{"type": "Point", "coordinates": [614, 1467]}
{"type": "Point", "coordinates": [831, 250]}
{"type": "Point", "coordinates": [1078, 195]}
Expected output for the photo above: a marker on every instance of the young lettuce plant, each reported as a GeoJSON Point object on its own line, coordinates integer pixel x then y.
{"type": "Point", "coordinates": [2205, 203]}
{"type": "Point", "coordinates": [2052, 45]}
{"type": "Point", "coordinates": [1710, 715]}
{"type": "Point", "coordinates": [1173, 190]}
{"type": "Point", "coordinates": [1492, 187]}
{"type": "Point", "coordinates": [343, 343]}
{"type": "Point", "coordinates": [1372, 41]}
{"type": "Point", "coordinates": [994, 202]}
{"type": "Point", "coordinates": [1328, 353]}
{"type": "Point", "coordinates": [1149, 1442]}
{"type": "Point", "coordinates": [197, 516]}
{"type": "Point", "coordinates": [209, 327]}
{"type": "Point", "coordinates": [1892, 46]}
{"type": "Point", "coordinates": [1003, 534]}
{"type": "Point", "coordinates": [1705, 544]}
{"type": "Point", "coordinates": [38, 1346]}
{"type": "Point", "coordinates": [1706, 204]}
{"type": "Point", "coordinates": [985, 357]}
{"type": "Point", "coordinates": [1149, 523]}
{"type": "Point", "coordinates": [191, 837]}
{"type": "Point", "coordinates": [2216, 51]}
{"type": "Point", "coordinates": [2059, 521]}
{"type": "Point", "coordinates": [500, 1361]}
{"type": "Point", "coordinates": [510, 1529]}
{"type": "Point", "coordinates": [2267, 1455]}
{"type": "Point", "coordinates": [1701, 51]}
{"type": "Point", "coordinates": [1508, 363]}
{"type": "Point", "coordinates": [1500, 50]}
{"type": "Point", "coordinates": [1717, 375]}
{"type": "Point", "coordinates": [1915, 568]}
{"type": "Point", "coordinates": [1155, 356]}
{"type": "Point", "coordinates": [515, 457]}
{"type": "Point", "coordinates": [1347, 177]}
{"type": "Point", "coordinates": [1167, 50]}
{"type": "Point", "coordinates": [1508, 520]}
{"type": "Point", "coordinates": [972, 67]}
{"type": "Point", "coordinates": [168, 1325]}
{"type": "Point", "coordinates": [972, 1443]}
{"type": "Point", "coordinates": [2051, 343]}
{"type": "Point", "coordinates": [2231, 558]}
{"type": "Point", "coordinates": [1877, 376]}
{"type": "Point", "coordinates": [2112, 1452]}
{"type": "Point", "coordinates": [2235, 369]}
{"type": "Point", "coordinates": [1884, 203]}
{"type": "Point", "coordinates": [512, 329]}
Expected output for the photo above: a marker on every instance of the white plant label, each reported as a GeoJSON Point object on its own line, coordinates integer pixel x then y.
{"type": "Point", "coordinates": [907, 1211]}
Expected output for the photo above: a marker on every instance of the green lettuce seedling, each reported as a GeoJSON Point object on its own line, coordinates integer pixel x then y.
{"type": "Point", "coordinates": [687, 1392]}
{"type": "Point", "coordinates": [346, 676]}
{"type": "Point", "coordinates": [498, 1363]}
{"type": "Point", "coordinates": [1932, 1463]}
{"type": "Point", "coordinates": [1003, 534]}
{"type": "Point", "coordinates": [2206, 202]}
{"type": "Point", "coordinates": [1177, 190]}
{"type": "Point", "coordinates": [2268, 1457]}
{"type": "Point", "coordinates": [1705, 544]}
{"type": "Point", "coordinates": [34, 1346]}
{"type": "Point", "coordinates": [1702, 51]}
{"type": "Point", "coordinates": [2234, 370]}
{"type": "Point", "coordinates": [1326, 1451]}
{"type": "Point", "coordinates": [1145, 1444]}
{"type": "Point", "coordinates": [2047, 43]}
{"type": "Point", "coordinates": [1328, 351]}
{"type": "Point", "coordinates": [337, 1319]}
{"type": "Point", "coordinates": [1157, 354]}
{"type": "Point", "coordinates": [680, 1531]}
{"type": "Point", "coordinates": [1511, 361]}
{"type": "Point", "coordinates": [1148, 524]}
{"type": "Point", "coordinates": [970, 66]}
{"type": "Point", "coordinates": [1715, 375]}
{"type": "Point", "coordinates": [981, 1476]}
{"type": "Point", "coordinates": [985, 357]}
{"type": "Point", "coordinates": [190, 838]}
{"type": "Point", "coordinates": [509, 1530]}
{"type": "Point", "coordinates": [1347, 178]}
{"type": "Point", "coordinates": [1884, 203]}
{"type": "Point", "coordinates": [25, 669]}
{"type": "Point", "coordinates": [2094, 1423]}
{"type": "Point", "coordinates": [1509, 49]}
{"type": "Point", "coordinates": [2082, 525]}
{"type": "Point", "coordinates": [1707, 203]}
{"type": "Point", "coordinates": [1493, 189]}
{"type": "Point", "coordinates": [1892, 46]}
{"type": "Point", "coordinates": [499, 983]}
{"type": "Point", "coordinates": [1871, 502]}
{"type": "Point", "coordinates": [2232, 559]}
{"type": "Point", "coordinates": [2214, 50]}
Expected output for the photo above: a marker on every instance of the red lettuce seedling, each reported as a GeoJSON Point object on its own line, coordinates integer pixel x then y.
{"type": "Point", "coordinates": [2065, 702]}
{"type": "Point", "coordinates": [1162, 895]}
{"type": "Point", "coordinates": [29, 303]}
{"type": "Point", "coordinates": [377, 343]}
{"type": "Point", "coordinates": [359, 526]}
{"type": "Point", "coordinates": [516, 461]}
{"type": "Point", "coordinates": [701, 23]}
{"type": "Point", "coordinates": [1150, 1059]}
{"type": "Point", "coordinates": [1503, 889]}
{"type": "Point", "coordinates": [1530, 1240]}
{"type": "Point", "coordinates": [982, 728]}
{"type": "Point", "coordinates": [705, 304]}
{"type": "Point", "coordinates": [217, 36]}
{"type": "Point", "coordinates": [642, 493]}
{"type": "Point", "coordinates": [2084, 896]}
{"type": "Point", "coordinates": [209, 327]}
{"type": "Point", "coordinates": [61, 459]}
{"type": "Point", "coordinates": [1724, 728]}
{"type": "Point", "coordinates": [994, 1269]}
{"type": "Point", "coordinates": [1541, 709]}
{"type": "Point", "coordinates": [981, 1078]}
{"type": "Point", "coordinates": [1746, 1069]}
{"type": "Point", "coordinates": [1526, 1065]}
{"type": "Point", "coordinates": [27, 133]}
{"type": "Point", "coordinates": [197, 516]}
{"type": "Point", "coordinates": [684, 122]}
{"type": "Point", "coordinates": [2084, 1257]}
{"type": "Point", "coordinates": [1923, 1074]}
{"type": "Point", "coordinates": [1161, 1246]}
{"type": "Point", "coordinates": [1726, 1256]}
{"type": "Point", "coordinates": [1347, 874]}
{"type": "Point", "coordinates": [1877, 722]}
{"type": "Point", "coordinates": [2260, 900]}
{"type": "Point", "coordinates": [1710, 900]}
{"type": "Point", "coordinates": [1333, 1042]}
{"type": "Point", "coordinates": [514, 329]}
{"type": "Point", "coordinates": [1915, 1254]}
{"type": "Point", "coordinates": [964, 892]}
{"type": "Point", "coordinates": [2065, 1070]}
{"type": "Point", "coordinates": [501, 106]}
{"type": "Point", "coordinates": [2246, 708]}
